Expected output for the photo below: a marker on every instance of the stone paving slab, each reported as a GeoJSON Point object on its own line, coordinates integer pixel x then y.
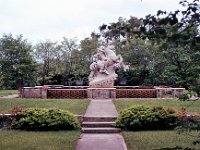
{"type": "Point", "coordinates": [101, 142]}
{"type": "Point", "coordinates": [101, 108]}
{"type": "Point", "coordinates": [98, 124]}
{"type": "Point", "coordinates": [107, 130]}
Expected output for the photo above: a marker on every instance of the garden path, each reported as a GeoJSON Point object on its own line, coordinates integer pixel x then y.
{"type": "Point", "coordinates": [98, 132]}
{"type": "Point", "coordinates": [10, 96]}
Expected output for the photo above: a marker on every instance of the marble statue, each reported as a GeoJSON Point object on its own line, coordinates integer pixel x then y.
{"type": "Point", "coordinates": [103, 68]}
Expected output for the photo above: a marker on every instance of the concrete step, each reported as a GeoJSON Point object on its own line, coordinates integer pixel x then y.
{"type": "Point", "coordinates": [98, 124]}
{"type": "Point", "coordinates": [100, 130]}
{"type": "Point", "coordinates": [99, 119]}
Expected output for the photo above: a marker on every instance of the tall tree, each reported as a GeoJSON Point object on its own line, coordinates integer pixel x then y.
{"type": "Point", "coordinates": [45, 53]}
{"type": "Point", "coordinates": [140, 57]}
{"type": "Point", "coordinates": [68, 47]}
{"type": "Point", "coordinates": [17, 67]}
{"type": "Point", "coordinates": [122, 29]}
{"type": "Point", "coordinates": [179, 38]}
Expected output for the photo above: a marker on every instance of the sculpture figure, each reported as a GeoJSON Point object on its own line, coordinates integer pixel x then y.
{"type": "Point", "coordinates": [103, 68]}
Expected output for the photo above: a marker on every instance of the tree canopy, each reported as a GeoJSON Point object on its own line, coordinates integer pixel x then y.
{"type": "Point", "coordinates": [175, 40]}
{"type": "Point", "coordinates": [17, 66]}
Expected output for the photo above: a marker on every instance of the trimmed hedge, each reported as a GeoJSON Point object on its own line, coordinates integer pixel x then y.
{"type": "Point", "coordinates": [146, 118]}
{"type": "Point", "coordinates": [46, 119]}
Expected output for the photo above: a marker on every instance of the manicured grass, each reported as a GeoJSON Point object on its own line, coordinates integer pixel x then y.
{"type": "Point", "coordinates": [26, 140]}
{"type": "Point", "coordinates": [191, 106]}
{"type": "Point", "coordinates": [76, 106]}
{"type": "Point", "coordinates": [8, 92]}
{"type": "Point", "coordinates": [148, 140]}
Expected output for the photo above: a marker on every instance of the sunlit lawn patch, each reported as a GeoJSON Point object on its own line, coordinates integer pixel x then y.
{"type": "Point", "coordinates": [191, 106]}
{"type": "Point", "coordinates": [76, 106]}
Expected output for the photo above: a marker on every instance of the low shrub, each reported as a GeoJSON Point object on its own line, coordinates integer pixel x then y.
{"type": "Point", "coordinates": [184, 97]}
{"type": "Point", "coordinates": [146, 118]}
{"type": "Point", "coordinates": [5, 121]}
{"type": "Point", "coordinates": [46, 119]}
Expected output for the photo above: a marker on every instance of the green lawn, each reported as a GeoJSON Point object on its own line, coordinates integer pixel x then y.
{"type": "Point", "coordinates": [26, 140]}
{"type": "Point", "coordinates": [191, 106]}
{"type": "Point", "coordinates": [58, 140]}
{"type": "Point", "coordinates": [76, 106]}
{"type": "Point", "coordinates": [8, 92]}
{"type": "Point", "coordinates": [149, 140]}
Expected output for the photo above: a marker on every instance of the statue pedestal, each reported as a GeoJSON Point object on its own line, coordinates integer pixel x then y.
{"type": "Point", "coordinates": [101, 93]}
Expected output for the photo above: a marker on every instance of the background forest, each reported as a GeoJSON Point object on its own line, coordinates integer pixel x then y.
{"type": "Point", "coordinates": [161, 49]}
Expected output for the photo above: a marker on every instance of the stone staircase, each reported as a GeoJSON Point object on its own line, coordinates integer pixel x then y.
{"type": "Point", "coordinates": [98, 128]}
{"type": "Point", "coordinates": [99, 125]}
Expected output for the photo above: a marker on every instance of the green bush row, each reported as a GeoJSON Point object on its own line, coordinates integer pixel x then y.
{"type": "Point", "coordinates": [146, 118]}
{"type": "Point", "coordinates": [46, 119]}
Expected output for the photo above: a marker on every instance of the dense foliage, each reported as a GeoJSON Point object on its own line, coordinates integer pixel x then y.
{"type": "Point", "coordinates": [175, 45]}
{"type": "Point", "coordinates": [46, 119]}
{"type": "Point", "coordinates": [17, 66]}
{"type": "Point", "coordinates": [146, 118]}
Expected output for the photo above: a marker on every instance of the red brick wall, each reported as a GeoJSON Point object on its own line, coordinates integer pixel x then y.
{"type": "Point", "coordinates": [135, 93]}
{"type": "Point", "coordinates": [67, 93]}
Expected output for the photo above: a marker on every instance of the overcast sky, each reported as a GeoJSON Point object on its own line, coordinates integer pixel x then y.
{"type": "Point", "coordinates": [38, 20]}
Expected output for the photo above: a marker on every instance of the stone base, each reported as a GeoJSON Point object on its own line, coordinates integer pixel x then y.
{"type": "Point", "coordinates": [170, 92]}
{"type": "Point", "coordinates": [33, 92]}
{"type": "Point", "coordinates": [101, 93]}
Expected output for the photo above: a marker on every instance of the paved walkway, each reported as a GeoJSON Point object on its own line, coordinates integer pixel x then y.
{"type": "Point", "coordinates": [10, 96]}
{"type": "Point", "coordinates": [101, 141]}
{"type": "Point", "coordinates": [101, 108]}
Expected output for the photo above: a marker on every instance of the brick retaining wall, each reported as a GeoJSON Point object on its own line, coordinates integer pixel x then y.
{"type": "Point", "coordinates": [67, 93]}
{"type": "Point", "coordinates": [45, 92]}
{"type": "Point", "coordinates": [135, 93]}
